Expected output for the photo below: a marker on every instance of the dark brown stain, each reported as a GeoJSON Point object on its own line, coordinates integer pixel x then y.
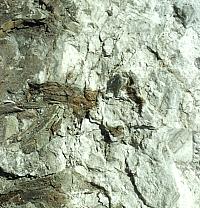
{"type": "Point", "coordinates": [53, 92]}
{"type": "Point", "coordinates": [134, 96]}
{"type": "Point", "coordinates": [35, 191]}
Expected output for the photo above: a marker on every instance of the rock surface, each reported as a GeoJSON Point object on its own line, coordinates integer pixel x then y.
{"type": "Point", "coordinates": [100, 104]}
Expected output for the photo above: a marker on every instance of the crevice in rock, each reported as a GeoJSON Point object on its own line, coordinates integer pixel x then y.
{"type": "Point", "coordinates": [114, 84]}
{"type": "Point", "coordinates": [104, 191]}
{"type": "Point", "coordinates": [105, 133]}
{"type": "Point", "coordinates": [33, 23]}
{"type": "Point", "coordinates": [133, 94]}
{"type": "Point", "coordinates": [12, 24]}
{"type": "Point", "coordinates": [155, 53]}
{"type": "Point", "coordinates": [104, 51]}
{"type": "Point", "coordinates": [180, 15]}
{"type": "Point", "coordinates": [72, 15]}
{"type": "Point", "coordinates": [12, 176]}
{"type": "Point", "coordinates": [10, 107]}
{"type": "Point", "coordinates": [146, 127]}
{"type": "Point", "coordinates": [99, 200]}
{"type": "Point", "coordinates": [132, 179]}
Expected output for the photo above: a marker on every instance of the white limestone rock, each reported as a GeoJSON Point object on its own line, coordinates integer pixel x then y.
{"type": "Point", "coordinates": [139, 145]}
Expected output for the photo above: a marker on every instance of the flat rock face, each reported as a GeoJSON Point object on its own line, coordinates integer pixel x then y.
{"type": "Point", "coordinates": [99, 104]}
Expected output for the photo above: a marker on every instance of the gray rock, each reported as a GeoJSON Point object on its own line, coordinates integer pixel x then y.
{"type": "Point", "coordinates": [99, 104]}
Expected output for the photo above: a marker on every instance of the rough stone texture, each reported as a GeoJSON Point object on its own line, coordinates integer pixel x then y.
{"type": "Point", "coordinates": [100, 104]}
